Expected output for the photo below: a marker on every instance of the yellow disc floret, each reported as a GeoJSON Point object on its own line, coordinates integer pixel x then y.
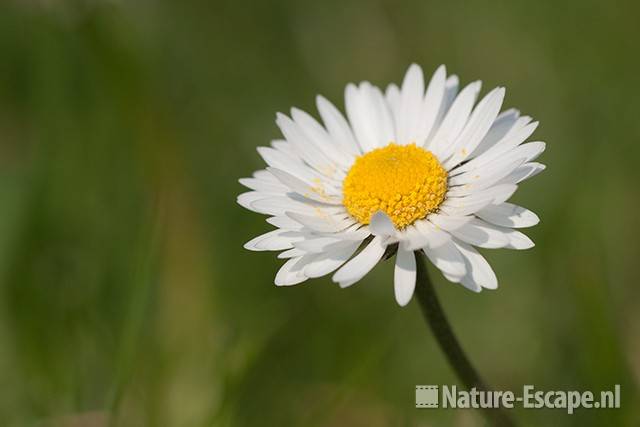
{"type": "Point", "coordinates": [404, 181]}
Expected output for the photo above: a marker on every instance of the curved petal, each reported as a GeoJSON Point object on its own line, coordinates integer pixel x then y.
{"type": "Point", "coordinates": [392, 95]}
{"type": "Point", "coordinates": [447, 258]}
{"type": "Point", "coordinates": [431, 105]}
{"type": "Point", "coordinates": [524, 172]}
{"type": "Point", "coordinates": [264, 186]}
{"type": "Point", "coordinates": [435, 236]}
{"type": "Point", "coordinates": [404, 277]}
{"type": "Point", "coordinates": [516, 136]}
{"type": "Point", "coordinates": [361, 264]}
{"type": "Point", "coordinates": [449, 222]}
{"type": "Point", "coordinates": [289, 273]}
{"type": "Point", "coordinates": [284, 222]}
{"type": "Point", "coordinates": [479, 233]}
{"type": "Point", "coordinates": [508, 215]}
{"type": "Point", "coordinates": [306, 150]}
{"type": "Point", "coordinates": [479, 272]}
{"type": "Point", "coordinates": [337, 126]}
{"type": "Point", "coordinates": [276, 240]}
{"type": "Point", "coordinates": [411, 98]}
{"type": "Point", "coordinates": [454, 121]}
{"type": "Point", "coordinates": [381, 225]}
{"type": "Point", "coordinates": [369, 115]}
{"type": "Point", "coordinates": [461, 206]}
{"type": "Point", "coordinates": [502, 125]}
{"type": "Point", "coordinates": [318, 191]}
{"type": "Point", "coordinates": [318, 136]}
{"type": "Point", "coordinates": [479, 123]}
{"type": "Point", "coordinates": [322, 223]}
{"type": "Point", "coordinates": [451, 86]}
{"type": "Point", "coordinates": [331, 260]}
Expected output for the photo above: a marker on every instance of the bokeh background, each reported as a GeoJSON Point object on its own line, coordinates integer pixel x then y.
{"type": "Point", "coordinates": [126, 297]}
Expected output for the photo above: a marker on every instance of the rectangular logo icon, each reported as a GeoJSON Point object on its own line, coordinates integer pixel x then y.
{"type": "Point", "coordinates": [426, 396]}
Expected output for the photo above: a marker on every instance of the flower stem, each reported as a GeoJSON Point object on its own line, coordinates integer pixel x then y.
{"type": "Point", "coordinates": [437, 320]}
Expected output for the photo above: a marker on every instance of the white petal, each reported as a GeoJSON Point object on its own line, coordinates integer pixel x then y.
{"type": "Point", "coordinates": [479, 272]}
{"type": "Point", "coordinates": [457, 279]}
{"type": "Point", "coordinates": [524, 172]}
{"type": "Point", "coordinates": [404, 277]}
{"type": "Point", "coordinates": [361, 264]}
{"type": "Point", "coordinates": [322, 223]}
{"type": "Point", "coordinates": [479, 233]}
{"type": "Point", "coordinates": [329, 261]}
{"type": "Point", "coordinates": [355, 232]}
{"type": "Point", "coordinates": [283, 146]}
{"type": "Point", "coordinates": [517, 135]}
{"type": "Point", "coordinates": [291, 253]}
{"type": "Point", "coordinates": [264, 175]}
{"type": "Point", "coordinates": [530, 150]}
{"type": "Point", "coordinates": [502, 125]}
{"type": "Point", "coordinates": [477, 180]}
{"type": "Point", "coordinates": [386, 125]}
{"type": "Point", "coordinates": [518, 240]}
{"type": "Point", "coordinates": [287, 163]}
{"type": "Point", "coordinates": [307, 150]}
{"type": "Point", "coordinates": [461, 206]}
{"type": "Point", "coordinates": [450, 93]}
{"type": "Point", "coordinates": [455, 120]}
{"type": "Point", "coordinates": [284, 222]}
{"type": "Point", "coordinates": [508, 215]}
{"type": "Point", "coordinates": [392, 95]}
{"type": "Point", "coordinates": [468, 282]}
{"type": "Point", "coordinates": [275, 240]}
{"type": "Point", "coordinates": [431, 104]}
{"type": "Point", "coordinates": [477, 127]}
{"type": "Point", "coordinates": [263, 186]}
{"type": "Point", "coordinates": [447, 258]}
{"type": "Point", "coordinates": [319, 191]}
{"type": "Point", "coordinates": [527, 152]}
{"type": "Point", "coordinates": [448, 222]}
{"type": "Point", "coordinates": [381, 225]}
{"type": "Point", "coordinates": [369, 116]}
{"type": "Point", "coordinates": [319, 244]}
{"type": "Point", "coordinates": [435, 236]}
{"type": "Point", "coordinates": [337, 126]}
{"type": "Point", "coordinates": [280, 205]}
{"type": "Point", "coordinates": [317, 135]}
{"type": "Point", "coordinates": [413, 239]}
{"type": "Point", "coordinates": [279, 240]}
{"type": "Point", "coordinates": [411, 98]}
{"type": "Point", "coordinates": [288, 273]}
{"type": "Point", "coordinates": [246, 199]}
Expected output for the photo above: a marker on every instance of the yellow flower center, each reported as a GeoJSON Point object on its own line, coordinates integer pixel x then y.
{"type": "Point", "coordinates": [404, 181]}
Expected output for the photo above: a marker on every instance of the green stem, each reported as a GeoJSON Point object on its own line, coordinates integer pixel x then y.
{"type": "Point", "coordinates": [437, 320]}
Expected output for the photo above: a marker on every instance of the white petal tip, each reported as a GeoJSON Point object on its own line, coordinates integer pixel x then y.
{"type": "Point", "coordinates": [414, 68]}
{"type": "Point", "coordinates": [250, 247]}
{"type": "Point", "coordinates": [321, 102]}
{"type": "Point", "coordinates": [403, 302]}
{"type": "Point", "coordinates": [526, 246]}
{"type": "Point", "coordinates": [281, 117]}
{"type": "Point", "coordinates": [344, 285]}
{"type": "Point", "coordinates": [535, 219]}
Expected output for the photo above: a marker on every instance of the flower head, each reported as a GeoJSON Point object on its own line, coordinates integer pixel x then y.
{"type": "Point", "coordinates": [421, 169]}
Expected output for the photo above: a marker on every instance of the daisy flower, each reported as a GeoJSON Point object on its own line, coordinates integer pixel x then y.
{"type": "Point", "coordinates": [407, 170]}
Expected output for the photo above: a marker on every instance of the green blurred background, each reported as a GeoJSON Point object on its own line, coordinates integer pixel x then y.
{"type": "Point", "coordinates": [126, 297]}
